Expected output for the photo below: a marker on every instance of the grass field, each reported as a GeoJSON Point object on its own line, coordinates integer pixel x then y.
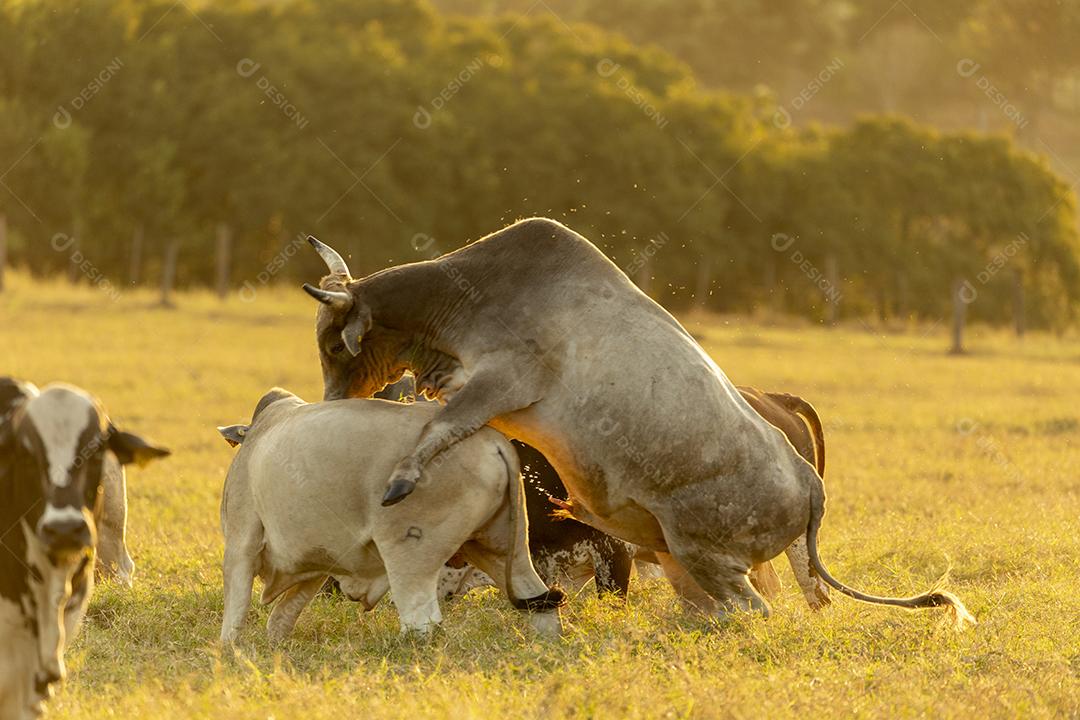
{"type": "Point", "coordinates": [933, 461]}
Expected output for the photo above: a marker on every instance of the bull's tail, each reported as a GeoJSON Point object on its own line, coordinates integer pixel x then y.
{"type": "Point", "coordinates": [934, 598]}
{"type": "Point", "coordinates": [551, 599]}
{"type": "Point", "coordinates": [806, 411]}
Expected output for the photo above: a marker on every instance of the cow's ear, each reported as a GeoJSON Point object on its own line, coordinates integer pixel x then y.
{"type": "Point", "coordinates": [13, 394]}
{"type": "Point", "coordinates": [131, 448]}
{"type": "Point", "coordinates": [234, 434]}
{"type": "Point", "coordinates": [358, 324]}
{"type": "Point", "coordinates": [7, 436]}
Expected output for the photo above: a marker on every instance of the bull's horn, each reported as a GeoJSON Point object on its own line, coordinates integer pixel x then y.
{"type": "Point", "coordinates": [333, 261]}
{"type": "Point", "coordinates": [333, 298]}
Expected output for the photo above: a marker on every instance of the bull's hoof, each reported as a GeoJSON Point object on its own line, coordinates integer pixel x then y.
{"type": "Point", "coordinates": [819, 599]}
{"type": "Point", "coordinates": [398, 491]}
{"type": "Point", "coordinates": [553, 599]}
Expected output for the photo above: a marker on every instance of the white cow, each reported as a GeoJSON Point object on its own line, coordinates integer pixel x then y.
{"type": "Point", "coordinates": [302, 502]}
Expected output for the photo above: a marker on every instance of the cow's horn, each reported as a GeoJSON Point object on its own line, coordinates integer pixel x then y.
{"type": "Point", "coordinates": [333, 261]}
{"type": "Point", "coordinates": [334, 299]}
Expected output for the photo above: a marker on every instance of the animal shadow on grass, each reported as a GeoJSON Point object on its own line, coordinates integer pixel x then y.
{"type": "Point", "coordinates": [336, 636]}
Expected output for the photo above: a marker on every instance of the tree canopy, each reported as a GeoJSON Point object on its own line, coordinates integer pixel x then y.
{"type": "Point", "coordinates": [370, 124]}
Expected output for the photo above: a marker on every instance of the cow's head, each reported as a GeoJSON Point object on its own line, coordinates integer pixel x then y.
{"type": "Point", "coordinates": [344, 323]}
{"type": "Point", "coordinates": [54, 443]}
{"type": "Point", "coordinates": [236, 434]}
{"type": "Point", "coordinates": [60, 437]}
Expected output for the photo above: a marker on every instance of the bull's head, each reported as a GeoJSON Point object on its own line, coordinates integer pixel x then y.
{"type": "Point", "coordinates": [343, 323]}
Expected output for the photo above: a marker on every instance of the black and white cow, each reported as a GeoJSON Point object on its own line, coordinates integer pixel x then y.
{"type": "Point", "coordinates": [53, 445]}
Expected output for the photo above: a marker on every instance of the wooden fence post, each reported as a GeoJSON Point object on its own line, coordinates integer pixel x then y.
{"type": "Point", "coordinates": [1019, 323]}
{"type": "Point", "coordinates": [959, 317]}
{"type": "Point", "coordinates": [135, 259]}
{"type": "Point", "coordinates": [3, 248]}
{"type": "Point", "coordinates": [832, 294]}
{"type": "Point", "coordinates": [168, 272]}
{"type": "Point", "coordinates": [223, 258]}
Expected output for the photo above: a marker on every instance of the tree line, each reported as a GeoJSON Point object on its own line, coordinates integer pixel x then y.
{"type": "Point", "coordinates": [943, 61]}
{"type": "Point", "coordinates": [192, 145]}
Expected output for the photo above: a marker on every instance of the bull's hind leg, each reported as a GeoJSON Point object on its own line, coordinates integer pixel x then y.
{"type": "Point", "coordinates": [282, 619]}
{"type": "Point", "coordinates": [723, 575]}
{"type": "Point", "coordinates": [692, 597]}
{"type": "Point", "coordinates": [813, 587]}
{"type": "Point", "coordinates": [765, 580]}
{"type": "Point", "coordinates": [726, 579]}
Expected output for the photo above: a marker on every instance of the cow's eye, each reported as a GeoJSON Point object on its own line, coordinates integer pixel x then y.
{"type": "Point", "coordinates": [337, 348]}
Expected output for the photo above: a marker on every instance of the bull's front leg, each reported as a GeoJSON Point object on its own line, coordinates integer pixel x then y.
{"type": "Point", "coordinates": [493, 389]}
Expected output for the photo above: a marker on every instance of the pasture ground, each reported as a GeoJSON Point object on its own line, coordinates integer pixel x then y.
{"type": "Point", "coordinates": [933, 461]}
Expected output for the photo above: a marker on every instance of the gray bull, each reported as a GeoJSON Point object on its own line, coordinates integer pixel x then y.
{"type": "Point", "coordinates": [301, 503]}
{"type": "Point", "coordinates": [571, 553]}
{"type": "Point", "coordinates": [534, 331]}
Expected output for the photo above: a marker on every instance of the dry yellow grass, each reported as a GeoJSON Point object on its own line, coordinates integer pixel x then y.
{"type": "Point", "coordinates": [934, 461]}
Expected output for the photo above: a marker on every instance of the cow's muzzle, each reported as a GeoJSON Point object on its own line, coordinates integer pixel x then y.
{"type": "Point", "coordinates": [69, 536]}
{"type": "Point", "coordinates": [44, 680]}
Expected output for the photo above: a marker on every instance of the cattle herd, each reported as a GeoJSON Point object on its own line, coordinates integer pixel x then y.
{"type": "Point", "coordinates": [579, 431]}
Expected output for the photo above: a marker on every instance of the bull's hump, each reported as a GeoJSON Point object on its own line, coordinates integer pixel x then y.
{"type": "Point", "coordinates": [534, 243]}
{"type": "Point", "coordinates": [538, 230]}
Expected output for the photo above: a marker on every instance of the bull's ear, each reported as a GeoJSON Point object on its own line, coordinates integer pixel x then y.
{"type": "Point", "coordinates": [131, 448]}
{"type": "Point", "coordinates": [233, 434]}
{"type": "Point", "coordinates": [356, 328]}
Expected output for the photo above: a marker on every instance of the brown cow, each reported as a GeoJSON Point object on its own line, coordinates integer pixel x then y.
{"type": "Point", "coordinates": [798, 420]}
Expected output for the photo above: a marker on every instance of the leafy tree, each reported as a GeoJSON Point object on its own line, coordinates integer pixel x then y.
{"type": "Point", "coordinates": [395, 132]}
